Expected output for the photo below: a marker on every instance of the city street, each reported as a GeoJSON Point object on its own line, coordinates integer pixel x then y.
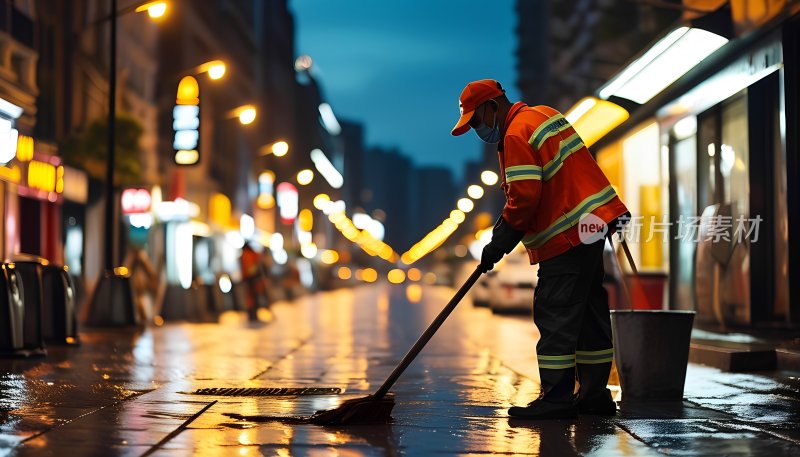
{"type": "Point", "coordinates": [132, 393]}
{"type": "Point", "coordinates": [224, 223]}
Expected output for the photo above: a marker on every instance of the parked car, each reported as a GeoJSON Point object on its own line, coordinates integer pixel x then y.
{"type": "Point", "coordinates": [515, 281]}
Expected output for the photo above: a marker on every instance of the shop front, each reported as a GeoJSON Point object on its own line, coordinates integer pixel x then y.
{"type": "Point", "coordinates": [39, 206]}
{"type": "Point", "coordinates": [703, 166]}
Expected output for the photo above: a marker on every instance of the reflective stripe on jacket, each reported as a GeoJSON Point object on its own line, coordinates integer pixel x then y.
{"type": "Point", "coordinates": [550, 181]}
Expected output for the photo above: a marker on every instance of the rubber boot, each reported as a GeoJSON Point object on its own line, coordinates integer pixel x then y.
{"type": "Point", "coordinates": [593, 397]}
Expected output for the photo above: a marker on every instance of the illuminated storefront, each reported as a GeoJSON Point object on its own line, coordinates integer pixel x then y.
{"type": "Point", "coordinates": [10, 176]}
{"type": "Point", "coordinates": [708, 156]}
{"type": "Point", "coordinates": [40, 201]}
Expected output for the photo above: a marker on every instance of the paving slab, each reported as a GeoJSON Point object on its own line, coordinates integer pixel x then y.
{"type": "Point", "coordinates": [133, 392]}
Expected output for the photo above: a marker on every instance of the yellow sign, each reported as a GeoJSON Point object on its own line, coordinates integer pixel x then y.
{"type": "Point", "coordinates": [219, 209]}
{"type": "Point", "coordinates": [45, 176]}
{"type": "Point", "coordinates": [186, 122]}
{"type": "Point", "coordinates": [24, 148]}
{"type": "Point", "coordinates": [306, 220]}
{"type": "Point", "coordinates": [10, 174]}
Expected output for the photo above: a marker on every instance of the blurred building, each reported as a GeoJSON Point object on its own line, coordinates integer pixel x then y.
{"type": "Point", "coordinates": [21, 204]}
{"type": "Point", "coordinates": [694, 124]}
{"type": "Point", "coordinates": [236, 176]}
{"type": "Point", "coordinates": [389, 194]}
{"type": "Point", "coordinates": [353, 145]}
{"type": "Point", "coordinates": [192, 35]}
{"type": "Point", "coordinates": [568, 49]}
{"type": "Point", "coordinates": [55, 78]}
{"type": "Point", "coordinates": [436, 196]}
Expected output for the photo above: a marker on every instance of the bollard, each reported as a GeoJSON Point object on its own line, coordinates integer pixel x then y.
{"type": "Point", "coordinates": [59, 320]}
{"type": "Point", "coordinates": [29, 272]}
{"type": "Point", "coordinates": [112, 304]}
{"type": "Point", "coordinates": [12, 309]}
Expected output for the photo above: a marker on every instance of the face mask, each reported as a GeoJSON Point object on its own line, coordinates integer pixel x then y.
{"type": "Point", "coordinates": [488, 134]}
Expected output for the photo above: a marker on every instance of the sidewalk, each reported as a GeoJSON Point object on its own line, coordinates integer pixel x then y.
{"type": "Point", "coordinates": [128, 393]}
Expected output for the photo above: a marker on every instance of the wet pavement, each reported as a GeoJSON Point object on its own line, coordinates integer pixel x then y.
{"type": "Point", "coordinates": [134, 393]}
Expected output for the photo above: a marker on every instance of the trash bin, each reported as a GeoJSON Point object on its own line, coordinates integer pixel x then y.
{"type": "Point", "coordinates": [213, 306]}
{"type": "Point", "coordinates": [59, 319]}
{"type": "Point", "coordinates": [651, 348]}
{"type": "Point", "coordinates": [12, 309]}
{"type": "Point", "coordinates": [29, 270]}
{"type": "Point", "coordinates": [181, 304]}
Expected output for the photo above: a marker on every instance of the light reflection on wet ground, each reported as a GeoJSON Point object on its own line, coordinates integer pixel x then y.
{"type": "Point", "coordinates": [123, 392]}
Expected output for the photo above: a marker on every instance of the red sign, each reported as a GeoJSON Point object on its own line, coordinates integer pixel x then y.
{"type": "Point", "coordinates": [287, 202]}
{"type": "Point", "coordinates": [135, 201]}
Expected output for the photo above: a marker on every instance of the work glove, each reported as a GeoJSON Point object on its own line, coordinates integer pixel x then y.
{"type": "Point", "coordinates": [504, 239]}
{"type": "Point", "coordinates": [618, 224]}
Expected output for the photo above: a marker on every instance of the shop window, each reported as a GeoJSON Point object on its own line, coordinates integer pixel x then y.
{"type": "Point", "coordinates": [722, 261]}
{"type": "Point", "coordinates": [643, 193]}
{"type": "Point", "coordinates": [733, 156]}
{"type": "Point", "coordinates": [683, 211]}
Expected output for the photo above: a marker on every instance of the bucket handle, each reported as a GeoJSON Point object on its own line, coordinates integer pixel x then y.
{"type": "Point", "coordinates": [626, 291]}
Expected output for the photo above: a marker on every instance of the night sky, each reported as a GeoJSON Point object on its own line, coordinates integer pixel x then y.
{"type": "Point", "coordinates": [398, 66]}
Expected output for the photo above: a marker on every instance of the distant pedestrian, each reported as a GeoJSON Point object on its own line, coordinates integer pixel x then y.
{"type": "Point", "coordinates": [145, 282]}
{"type": "Point", "coordinates": [252, 276]}
{"type": "Point", "coordinates": [552, 184]}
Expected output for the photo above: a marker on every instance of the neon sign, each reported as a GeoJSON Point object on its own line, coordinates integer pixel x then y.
{"type": "Point", "coordinates": [186, 122]}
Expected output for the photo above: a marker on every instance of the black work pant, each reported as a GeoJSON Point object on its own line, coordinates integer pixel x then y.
{"type": "Point", "coordinates": [571, 311]}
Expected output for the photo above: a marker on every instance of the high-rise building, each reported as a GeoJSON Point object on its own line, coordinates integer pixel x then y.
{"type": "Point", "coordinates": [390, 191]}
{"type": "Point", "coordinates": [353, 145]}
{"type": "Point", "coordinates": [73, 42]}
{"type": "Point", "coordinates": [436, 197]}
{"type": "Point", "coordinates": [566, 50]}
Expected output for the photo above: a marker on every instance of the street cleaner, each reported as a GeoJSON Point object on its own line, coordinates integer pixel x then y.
{"type": "Point", "coordinates": [553, 188]}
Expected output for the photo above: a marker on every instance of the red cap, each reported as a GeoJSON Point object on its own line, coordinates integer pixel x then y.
{"type": "Point", "coordinates": [476, 93]}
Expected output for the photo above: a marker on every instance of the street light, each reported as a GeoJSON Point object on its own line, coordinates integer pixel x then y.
{"type": "Point", "coordinates": [475, 191]}
{"type": "Point", "coordinates": [466, 205]}
{"type": "Point", "coordinates": [245, 113]}
{"type": "Point", "coordinates": [304, 177]}
{"type": "Point", "coordinates": [155, 10]}
{"type": "Point", "coordinates": [280, 148]}
{"type": "Point", "coordinates": [186, 113]}
{"type": "Point", "coordinates": [215, 69]}
{"type": "Point", "coordinates": [489, 177]}
{"type": "Point", "coordinates": [100, 312]}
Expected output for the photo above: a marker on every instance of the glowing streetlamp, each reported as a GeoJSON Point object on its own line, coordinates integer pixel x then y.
{"type": "Point", "coordinates": [475, 191]}
{"type": "Point", "coordinates": [280, 148]}
{"type": "Point", "coordinates": [465, 205]}
{"type": "Point", "coordinates": [215, 69]}
{"type": "Point", "coordinates": [155, 10]}
{"type": "Point", "coordinates": [489, 177]}
{"type": "Point", "coordinates": [457, 216]}
{"type": "Point", "coordinates": [100, 312]}
{"type": "Point", "coordinates": [246, 114]}
{"type": "Point", "coordinates": [304, 177]}
{"type": "Point", "coordinates": [321, 200]}
{"type": "Point", "coordinates": [303, 63]}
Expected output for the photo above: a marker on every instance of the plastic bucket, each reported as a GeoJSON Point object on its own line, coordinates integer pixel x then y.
{"type": "Point", "coordinates": [651, 348]}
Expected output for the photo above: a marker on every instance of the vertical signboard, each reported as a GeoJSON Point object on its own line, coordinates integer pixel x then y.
{"type": "Point", "coordinates": [186, 122]}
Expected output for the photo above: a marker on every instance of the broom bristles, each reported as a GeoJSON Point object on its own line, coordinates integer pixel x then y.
{"type": "Point", "coordinates": [365, 410]}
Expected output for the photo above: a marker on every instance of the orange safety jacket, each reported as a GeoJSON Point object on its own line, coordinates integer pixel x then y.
{"type": "Point", "coordinates": [550, 181]}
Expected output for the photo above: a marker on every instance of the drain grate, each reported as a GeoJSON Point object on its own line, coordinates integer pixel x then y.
{"type": "Point", "coordinates": [267, 391]}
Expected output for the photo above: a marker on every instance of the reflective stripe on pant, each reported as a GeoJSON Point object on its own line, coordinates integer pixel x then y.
{"type": "Point", "coordinates": [571, 311]}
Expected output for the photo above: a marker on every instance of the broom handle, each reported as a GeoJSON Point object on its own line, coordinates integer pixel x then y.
{"type": "Point", "coordinates": [623, 284]}
{"type": "Point", "coordinates": [629, 256]}
{"type": "Point", "coordinates": [429, 332]}
{"type": "Point", "coordinates": [636, 278]}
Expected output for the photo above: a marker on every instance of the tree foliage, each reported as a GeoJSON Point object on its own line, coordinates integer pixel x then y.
{"type": "Point", "coordinates": [87, 149]}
